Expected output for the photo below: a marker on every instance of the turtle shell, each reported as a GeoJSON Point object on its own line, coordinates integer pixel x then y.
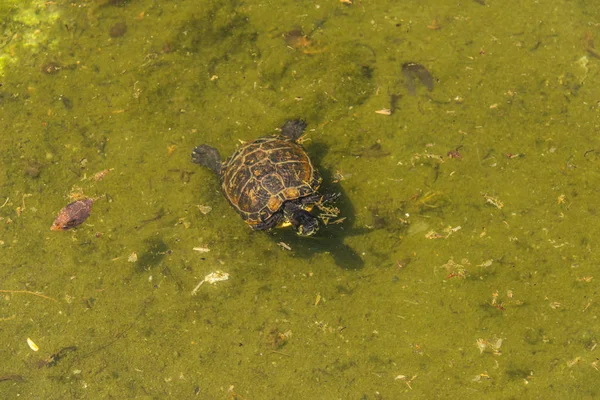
{"type": "Point", "coordinates": [260, 176]}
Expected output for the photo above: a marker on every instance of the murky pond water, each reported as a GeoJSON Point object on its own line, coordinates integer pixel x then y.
{"type": "Point", "coordinates": [463, 137]}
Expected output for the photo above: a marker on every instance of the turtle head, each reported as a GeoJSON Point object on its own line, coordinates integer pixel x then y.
{"type": "Point", "coordinates": [309, 225]}
{"type": "Point", "coordinates": [304, 222]}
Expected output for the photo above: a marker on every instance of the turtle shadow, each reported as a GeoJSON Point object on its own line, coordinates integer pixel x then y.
{"type": "Point", "coordinates": [330, 238]}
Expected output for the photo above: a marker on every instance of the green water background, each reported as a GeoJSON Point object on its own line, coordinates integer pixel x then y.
{"type": "Point", "coordinates": [474, 277]}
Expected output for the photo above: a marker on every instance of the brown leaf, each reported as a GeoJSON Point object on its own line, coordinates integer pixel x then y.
{"type": "Point", "coordinates": [72, 215]}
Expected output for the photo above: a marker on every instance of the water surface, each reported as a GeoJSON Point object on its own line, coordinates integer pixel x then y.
{"type": "Point", "coordinates": [466, 265]}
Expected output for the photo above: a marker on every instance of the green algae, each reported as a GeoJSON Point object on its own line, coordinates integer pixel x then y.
{"type": "Point", "coordinates": [471, 276]}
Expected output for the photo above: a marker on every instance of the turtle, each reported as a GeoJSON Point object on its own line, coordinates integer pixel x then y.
{"type": "Point", "coordinates": [271, 181]}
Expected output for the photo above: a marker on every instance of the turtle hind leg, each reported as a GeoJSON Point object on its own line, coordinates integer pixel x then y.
{"type": "Point", "coordinates": [293, 129]}
{"type": "Point", "coordinates": [208, 157]}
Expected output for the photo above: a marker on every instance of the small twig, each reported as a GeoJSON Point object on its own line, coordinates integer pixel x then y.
{"type": "Point", "coordinates": [13, 377]}
{"type": "Point", "coordinates": [197, 287]}
{"type": "Point", "coordinates": [29, 292]}
{"type": "Point", "coordinates": [280, 353]}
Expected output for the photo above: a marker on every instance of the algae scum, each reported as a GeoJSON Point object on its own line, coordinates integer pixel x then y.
{"type": "Point", "coordinates": [463, 137]}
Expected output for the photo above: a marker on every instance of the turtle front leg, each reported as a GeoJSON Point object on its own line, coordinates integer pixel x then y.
{"type": "Point", "coordinates": [272, 222]}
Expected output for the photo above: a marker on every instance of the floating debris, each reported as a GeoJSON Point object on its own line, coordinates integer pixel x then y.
{"type": "Point", "coordinates": [12, 377]}
{"type": "Point", "coordinates": [434, 25]}
{"type": "Point", "coordinates": [456, 270]}
{"type": "Point", "coordinates": [297, 40]}
{"type": "Point", "coordinates": [574, 361]}
{"type": "Point", "coordinates": [74, 214]}
{"type": "Point", "coordinates": [276, 339]}
{"type": "Point", "coordinates": [211, 278]}
{"type": "Point", "coordinates": [494, 201]}
{"type": "Point", "coordinates": [284, 246]}
{"type": "Point", "coordinates": [201, 249]}
{"type": "Point", "coordinates": [32, 345]}
{"type": "Point", "coordinates": [495, 303]}
{"type": "Point", "coordinates": [406, 380]}
{"type": "Point", "coordinates": [204, 209]}
{"type": "Point", "coordinates": [447, 232]}
{"type": "Point", "coordinates": [51, 68]}
{"type": "Point", "coordinates": [98, 176]}
{"type": "Point", "coordinates": [555, 305]}
{"type": "Point", "coordinates": [485, 345]}
{"type": "Point", "coordinates": [317, 299]}
{"type": "Point", "coordinates": [455, 153]}
{"type": "Point", "coordinates": [588, 44]}
{"type": "Point", "coordinates": [426, 156]}
{"type": "Point", "coordinates": [481, 376]}
{"type": "Point", "coordinates": [54, 358]}
{"type": "Point", "coordinates": [338, 221]}
{"type": "Point", "coordinates": [340, 176]}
